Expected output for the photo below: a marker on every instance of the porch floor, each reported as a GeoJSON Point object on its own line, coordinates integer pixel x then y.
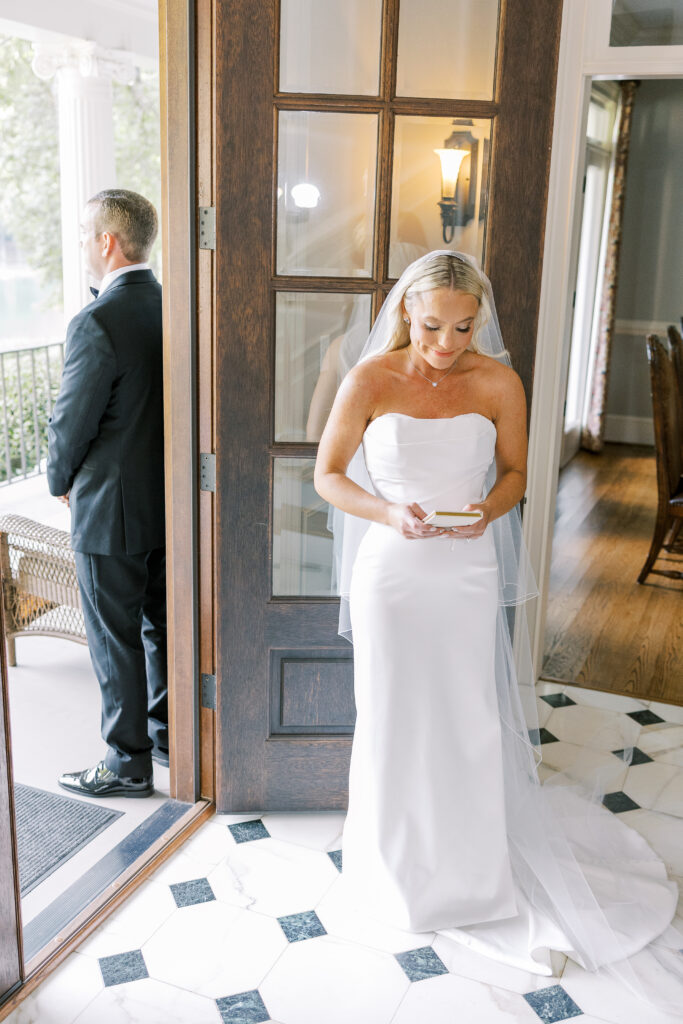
{"type": "Point", "coordinates": [205, 940]}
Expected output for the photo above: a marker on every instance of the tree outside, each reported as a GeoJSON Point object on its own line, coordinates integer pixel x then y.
{"type": "Point", "coordinates": [31, 303]}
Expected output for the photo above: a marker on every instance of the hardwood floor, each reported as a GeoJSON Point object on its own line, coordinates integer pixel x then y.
{"type": "Point", "coordinates": [605, 631]}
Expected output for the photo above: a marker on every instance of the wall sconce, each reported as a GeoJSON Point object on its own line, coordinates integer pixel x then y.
{"type": "Point", "coordinates": [459, 144]}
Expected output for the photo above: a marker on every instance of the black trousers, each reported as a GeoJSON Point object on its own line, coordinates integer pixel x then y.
{"type": "Point", "coordinates": [124, 606]}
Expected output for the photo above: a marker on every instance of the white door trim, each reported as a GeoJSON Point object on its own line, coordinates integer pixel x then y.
{"type": "Point", "coordinates": [584, 54]}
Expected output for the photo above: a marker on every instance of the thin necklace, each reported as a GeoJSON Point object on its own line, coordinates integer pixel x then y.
{"type": "Point", "coordinates": [434, 383]}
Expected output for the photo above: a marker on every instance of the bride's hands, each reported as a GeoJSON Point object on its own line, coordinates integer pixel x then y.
{"type": "Point", "coordinates": [407, 520]}
{"type": "Point", "coordinates": [476, 529]}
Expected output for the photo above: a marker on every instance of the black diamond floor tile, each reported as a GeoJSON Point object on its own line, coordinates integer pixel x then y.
{"type": "Point", "coordinates": [546, 736]}
{"type": "Point", "coordinates": [243, 1008]}
{"type": "Point", "coordinates": [187, 894]}
{"type": "Point", "coordinates": [552, 1004]}
{"type": "Point", "coordinates": [557, 700]}
{"type": "Point", "coordinates": [306, 925]}
{"type": "Point", "coordinates": [644, 717]}
{"type": "Point", "coordinates": [422, 963]}
{"type": "Point", "coordinates": [618, 802]}
{"type": "Point", "coordinates": [638, 757]}
{"type": "Point", "coordinates": [123, 967]}
{"type": "Point", "coordinates": [336, 858]}
{"type": "Point", "coordinates": [248, 831]}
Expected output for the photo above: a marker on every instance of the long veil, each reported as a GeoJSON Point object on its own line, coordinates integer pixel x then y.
{"type": "Point", "coordinates": [587, 884]}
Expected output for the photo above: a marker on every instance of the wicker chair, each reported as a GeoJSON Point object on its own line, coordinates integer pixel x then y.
{"type": "Point", "coordinates": [39, 586]}
{"type": "Point", "coordinates": [666, 411]}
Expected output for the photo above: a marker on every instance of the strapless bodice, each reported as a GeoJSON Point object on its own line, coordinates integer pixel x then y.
{"type": "Point", "coordinates": [440, 463]}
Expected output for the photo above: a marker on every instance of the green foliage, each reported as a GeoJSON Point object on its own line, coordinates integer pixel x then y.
{"type": "Point", "coordinates": [36, 404]}
{"type": "Point", "coordinates": [137, 142]}
{"type": "Point", "coordinates": [29, 165]}
{"type": "Point", "coordinates": [30, 203]}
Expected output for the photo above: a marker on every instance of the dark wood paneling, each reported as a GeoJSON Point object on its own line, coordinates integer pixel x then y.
{"type": "Point", "coordinates": [257, 771]}
{"type": "Point", "coordinates": [11, 958]}
{"type": "Point", "coordinates": [244, 201]}
{"type": "Point", "coordinates": [526, 76]}
{"type": "Point", "coordinates": [205, 121]}
{"type": "Point", "coordinates": [311, 691]}
{"type": "Point", "coordinates": [176, 36]}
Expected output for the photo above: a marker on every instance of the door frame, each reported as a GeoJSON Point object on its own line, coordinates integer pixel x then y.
{"type": "Point", "coordinates": [584, 54]}
{"type": "Point", "coordinates": [182, 413]}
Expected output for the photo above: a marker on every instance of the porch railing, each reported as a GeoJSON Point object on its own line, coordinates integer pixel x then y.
{"type": "Point", "coordinates": [29, 382]}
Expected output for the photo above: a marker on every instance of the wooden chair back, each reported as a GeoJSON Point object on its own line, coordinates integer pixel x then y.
{"type": "Point", "coordinates": [676, 346]}
{"type": "Point", "coordinates": [667, 418]}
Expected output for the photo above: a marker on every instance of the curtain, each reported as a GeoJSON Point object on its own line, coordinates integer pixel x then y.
{"type": "Point", "coordinates": [593, 427]}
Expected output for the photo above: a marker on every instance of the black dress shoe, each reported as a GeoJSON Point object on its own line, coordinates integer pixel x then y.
{"type": "Point", "coordinates": [102, 781]}
{"type": "Point", "coordinates": [160, 756]}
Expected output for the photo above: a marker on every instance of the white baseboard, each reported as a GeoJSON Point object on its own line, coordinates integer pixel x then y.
{"type": "Point", "coordinates": [641, 328]}
{"type": "Point", "coordinates": [629, 429]}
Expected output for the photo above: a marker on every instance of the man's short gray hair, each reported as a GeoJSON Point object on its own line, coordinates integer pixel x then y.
{"type": "Point", "coordinates": [128, 216]}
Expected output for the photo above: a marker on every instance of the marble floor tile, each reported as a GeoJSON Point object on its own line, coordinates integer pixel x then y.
{"type": "Point", "coordinates": [594, 727]}
{"type": "Point", "coordinates": [466, 963]}
{"type": "Point", "coordinates": [670, 799]}
{"type": "Point", "coordinates": [140, 916]}
{"type": "Point", "coordinates": [645, 782]}
{"type": "Point", "coordinates": [214, 949]}
{"type": "Point", "coordinates": [664, 745]}
{"type": "Point", "coordinates": [327, 981]}
{"type": "Point", "coordinates": [544, 687]}
{"type": "Point", "coordinates": [344, 920]}
{"type": "Point", "coordinates": [316, 831]}
{"type": "Point", "coordinates": [63, 995]}
{"type": "Point", "coordinates": [149, 1002]}
{"type": "Point", "coordinates": [663, 832]}
{"type": "Point", "coordinates": [604, 699]}
{"type": "Point", "coordinates": [449, 999]}
{"type": "Point", "coordinates": [607, 998]}
{"type": "Point", "coordinates": [598, 769]}
{"type": "Point", "coordinates": [545, 710]}
{"type": "Point", "coordinates": [273, 877]}
{"type": "Point", "coordinates": [210, 844]}
{"type": "Point", "coordinates": [181, 867]}
{"type": "Point", "coordinates": [670, 712]}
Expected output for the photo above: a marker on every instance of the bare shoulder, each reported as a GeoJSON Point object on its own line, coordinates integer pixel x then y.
{"type": "Point", "coordinates": [368, 378]}
{"type": "Point", "coordinates": [500, 378]}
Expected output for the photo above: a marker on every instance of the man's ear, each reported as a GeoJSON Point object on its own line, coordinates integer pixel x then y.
{"type": "Point", "coordinates": [108, 242]}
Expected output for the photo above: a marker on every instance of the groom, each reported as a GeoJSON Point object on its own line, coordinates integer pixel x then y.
{"type": "Point", "coordinates": [106, 461]}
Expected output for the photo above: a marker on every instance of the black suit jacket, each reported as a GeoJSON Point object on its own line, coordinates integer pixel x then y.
{"type": "Point", "coordinates": [105, 436]}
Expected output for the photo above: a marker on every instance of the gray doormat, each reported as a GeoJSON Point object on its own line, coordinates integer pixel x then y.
{"type": "Point", "coordinates": [52, 828]}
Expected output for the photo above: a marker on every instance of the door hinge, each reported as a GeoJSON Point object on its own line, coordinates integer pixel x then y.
{"type": "Point", "coordinates": [207, 471]}
{"type": "Point", "coordinates": [208, 691]}
{"type": "Point", "coordinates": [207, 227]}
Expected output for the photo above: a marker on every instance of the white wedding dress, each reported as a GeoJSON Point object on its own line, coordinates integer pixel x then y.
{"type": "Point", "coordinates": [448, 828]}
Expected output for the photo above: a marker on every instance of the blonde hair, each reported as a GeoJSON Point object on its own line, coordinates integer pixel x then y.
{"type": "Point", "coordinates": [444, 270]}
{"type": "Point", "coordinates": [128, 216]}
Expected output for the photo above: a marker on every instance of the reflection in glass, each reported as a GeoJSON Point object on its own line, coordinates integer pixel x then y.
{"type": "Point", "coordinates": [416, 194]}
{"type": "Point", "coordinates": [646, 23]}
{"type": "Point", "coordinates": [302, 543]}
{"type": "Point", "coordinates": [326, 193]}
{"type": "Point", "coordinates": [447, 50]}
{"type": "Point", "coordinates": [318, 337]}
{"type": "Point", "coordinates": [330, 47]}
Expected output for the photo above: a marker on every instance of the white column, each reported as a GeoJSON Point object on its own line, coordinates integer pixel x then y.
{"type": "Point", "coordinates": [86, 144]}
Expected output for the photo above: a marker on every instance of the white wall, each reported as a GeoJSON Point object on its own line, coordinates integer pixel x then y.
{"type": "Point", "coordinates": [650, 285]}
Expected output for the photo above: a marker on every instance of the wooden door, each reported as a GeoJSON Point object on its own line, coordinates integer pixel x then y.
{"type": "Point", "coordinates": [328, 116]}
{"type": "Point", "coordinates": [10, 912]}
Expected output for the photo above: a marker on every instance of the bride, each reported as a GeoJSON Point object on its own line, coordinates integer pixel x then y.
{"type": "Point", "coordinates": [448, 827]}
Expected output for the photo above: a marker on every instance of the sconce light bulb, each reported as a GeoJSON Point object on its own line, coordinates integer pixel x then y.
{"type": "Point", "coordinates": [305, 195]}
{"type": "Point", "coordinates": [451, 160]}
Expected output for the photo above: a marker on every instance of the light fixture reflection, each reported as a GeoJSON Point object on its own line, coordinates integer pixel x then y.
{"type": "Point", "coordinates": [305, 195]}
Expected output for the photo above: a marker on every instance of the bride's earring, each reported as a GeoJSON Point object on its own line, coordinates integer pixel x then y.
{"type": "Point", "coordinates": [406, 320]}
